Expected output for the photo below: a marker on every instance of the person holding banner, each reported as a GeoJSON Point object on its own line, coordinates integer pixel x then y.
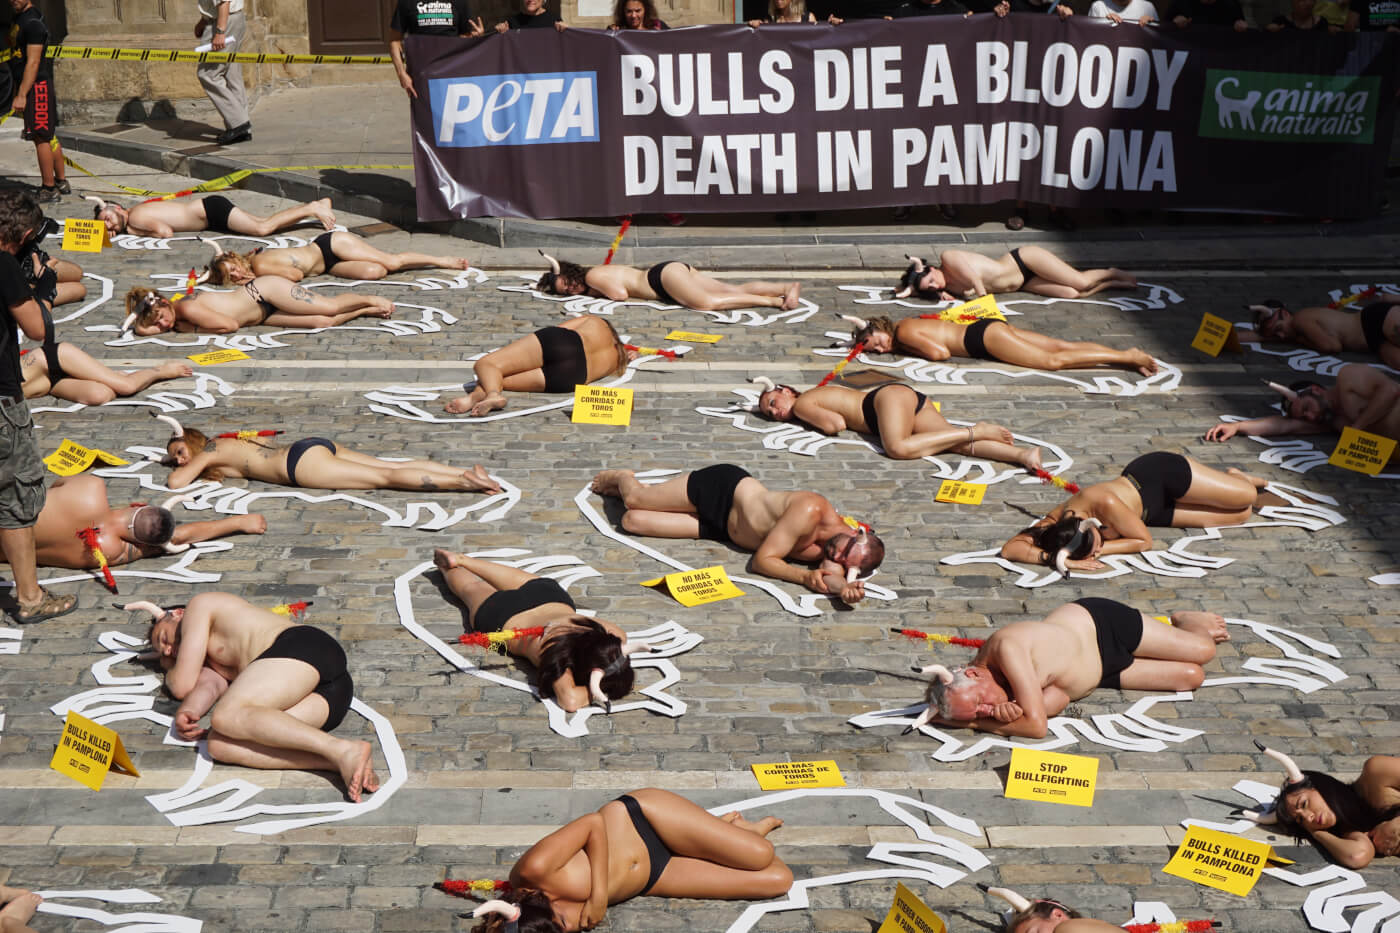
{"type": "Point", "coordinates": [1027, 672]}
{"type": "Point", "coordinates": [268, 299]}
{"type": "Point", "coordinates": [673, 283]}
{"type": "Point", "coordinates": [1157, 490]}
{"type": "Point", "coordinates": [648, 842]}
{"type": "Point", "coordinates": [581, 350]}
{"type": "Point", "coordinates": [1363, 398]}
{"type": "Point", "coordinates": [635, 14]}
{"type": "Point", "coordinates": [534, 14]}
{"type": "Point", "coordinates": [963, 275]}
{"type": "Point", "coordinates": [165, 218]}
{"type": "Point", "coordinates": [787, 11]}
{"type": "Point", "coordinates": [929, 338]}
{"type": "Point", "coordinates": [66, 371]}
{"type": "Point", "coordinates": [340, 253]}
{"type": "Point", "coordinates": [899, 415]}
{"type": "Point", "coordinates": [579, 659]}
{"type": "Point", "coordinates": [724, 503]}
{"type": "Point", "coordinates": [310, 463]}
{"type": "Point", "coordinates": [427, 18]}
{"type": "Point", "coordinates": [1375, 328]}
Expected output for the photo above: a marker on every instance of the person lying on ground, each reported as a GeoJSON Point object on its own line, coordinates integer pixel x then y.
{"type": "Point", "coordinates": [649, 842]}
{"type": "Point", "coordinates": [67, 372]}
{"type": "Point", "coordinates": [1156, 490]}
{"type": "Point", "coordinates": [1373, 328]}
{"type": "Point", "coordinates": [581, 350]}
{"type": "Point", "coordinates": [1353, 823]}
{"type": "Point", "coordinates": [274, 690]}
{"type": "Point", "coordinates": [17, 907]}
{"type": "Point", "coordinates": [267, 299]}
{"type": "Point", "coordinates": [724, 503]}
{"type": "Point", "coordinates": [1028, 671]}
{"type": "Point", "coordinates": [1363, 398]}
{"type": "Point", "coordinates": [578, 658]}
{"type": "Point", "coordinates": [310, 463]}
{"type": "Point", "coordinates": [1045, 915]}
{"type": "Point", "coordinates": [900, 416]}
{"type": "Point", "coordinates": [989, 339]}
{"type": "Point", "coordinates": [961, 275]}
{"type": "Point", "coordinates": [212, 212]}
{"type": "Point", "coordinates": [124, 534]}
{"type": "Point", "coordinates": [340, 253]}
{"type": "Point", "coordinates": [672, 283]}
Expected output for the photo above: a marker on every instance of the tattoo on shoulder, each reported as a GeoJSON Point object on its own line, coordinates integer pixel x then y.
{"type": "Point", "coordinates": [300, 293]}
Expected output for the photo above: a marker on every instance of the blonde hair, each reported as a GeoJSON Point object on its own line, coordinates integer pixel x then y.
{"type": "Point", "coordinates": [797, 10]}
{"type": "Point", "coordinates": [222, 267]}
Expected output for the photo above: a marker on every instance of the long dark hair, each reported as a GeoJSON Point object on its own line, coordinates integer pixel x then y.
{"type": "Point", "coordinates": [581, 649]}
{"type": "Point", "coordinates": [880, 323]}
{"type": "Point", "coordinates": [1050, 538]}
{"type": "Point", "coordinates": [1353, 813]}
{"type": "Point", "coordinates": [570, 272]}
{"type": "Point", "coordinates": [536, 914]}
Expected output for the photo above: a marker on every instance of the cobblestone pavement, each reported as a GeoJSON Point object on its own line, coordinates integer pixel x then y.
{"type": "Point", "coordinates": [486, 776]}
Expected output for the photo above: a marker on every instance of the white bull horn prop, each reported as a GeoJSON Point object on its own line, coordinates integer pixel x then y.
{"type": "Point", "coordinates": [126, 324]}
{"type": "Point", "coordinates": [924, 719]}
{"type": "Point", "coordinates": [1286, 392]}
{"type": "Point", "coordinates": [176, 431]}
{"type": "Point", "coordinates": [102, 203]}
{"type": "Point", "coordinates": [553, 263]}
{"type": "Point", "coordinates": [764, 382]}
{"type": "Point", "coordinates": [1017, 902]}
{"type": "Point", "coordinates": [595, 690]}
{"type": "Point", "coordinates": [214, 245]}
{"type": "Point", "coordinates": [858, 322]}
{"type": "Point", "coordinates": [144, 606]}
{"type": "Point", "coordinates": [939, 670]}
{"type": "Point", "coordinates": [631, 647]}
{"type": "Point", "coordinates": [169, 546]}
{"type": "Point", "coordinates": [511, 913]}
{"type": "Point", "coordinates": [1290, 767]}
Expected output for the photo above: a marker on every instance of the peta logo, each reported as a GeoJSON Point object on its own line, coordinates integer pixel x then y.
{"type": "Point", "coordinates": [515, 110]}
{"type": "Point", "coordinates": [1276, 106]}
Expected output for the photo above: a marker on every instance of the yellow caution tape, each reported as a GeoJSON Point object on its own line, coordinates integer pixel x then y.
{"type": "Point", "coordinates": [174, 55]}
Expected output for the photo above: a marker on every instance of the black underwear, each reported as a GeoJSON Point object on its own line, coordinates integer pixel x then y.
{"type": "Point", "coordinates": [1118, 629]}
{"type": "Point", "coordinates": [565, 362]}
{"type": "Point", "coordinates": [1161, 478]}
{"type": "Point", "coordinates": [51, 358]}
{"type": "Point", "coordinates": [1026, 274]}
{"type": "Point", "coordinates": [328, 256]}
{"type": "Point", "coordinates": [657, 853]}
{"type": "Point", "coordinates": [216, 211]}
{"type": "Point", "coordinates": [872, 418]}
{"type": "Point", "coordinates": [268, 308]}
{"type": "Point", "coordinates": [310, 645]}
{"type": "Point", "coordinates": [298, 450]}
{"type": "Point", "coordinates": [503, 605]}
{"type": "Point", "coordinates": [654, 280]}
{"type": "Point", "coordinates": [1373, 325]}
{"type": "Point", "coordinates": [975, 339]}
{"type": "Point", "coordinates": [711, 491]}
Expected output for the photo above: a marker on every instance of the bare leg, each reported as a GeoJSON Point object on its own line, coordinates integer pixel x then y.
{"type": "Point", "coordinates": [92, 383]}
{"type": "Point", "coordinates": [447, 474]}
{"type": "Point", "coordinates": [1027, 348]}
{"type": "Point", "coordinates": [523, 357]}
{"type": "Point", "coordinates": [1169, 657]}
{"type": "Point", "coordinates": [351, 248]}
{"type": "Point", "coordinates": [662, 510]}
{"type": "Point", "coordinates": [290, 298]}
{"type": "Point", "coordinates": [473, 580]}
{"type": "Point", "coordinates": [906, 436]}
{"type": "Point", "coordinates": [706, 294]}
{"type": "Point", "coordinates": [240, 221]}
{"type": "Point", "coordinates": [18, 545]}
{"type": "Point", "coordinates": [48, 163]}
{"type": "Point", "coordinates": [1056, 278]}
{"type": "Point", "coordinates": [1216, 498]}
{"type": "Point", "coordinates": [70, 281]}
{"type": "Point", "coordinates": [321, 469]}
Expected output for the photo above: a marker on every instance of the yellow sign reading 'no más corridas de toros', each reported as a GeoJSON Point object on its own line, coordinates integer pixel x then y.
{"type": "Point", "coordinates": [783, 775]}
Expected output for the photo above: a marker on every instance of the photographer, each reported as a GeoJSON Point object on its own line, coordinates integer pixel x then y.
{"type": "Point", "coordinates": [53, 281]}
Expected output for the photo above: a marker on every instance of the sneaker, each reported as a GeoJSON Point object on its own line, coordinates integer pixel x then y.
{"type": "Point", "coordinates": [48, 194]}
{"type": "Point", "coordinates": [63, 186]}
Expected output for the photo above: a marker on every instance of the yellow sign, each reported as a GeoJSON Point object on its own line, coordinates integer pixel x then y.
{"type": "Point", "coordinates": [85, 236]}
{"type": "Point", "coordinates": [1362, 452]}
{"type": "Point", "coordinates": [87, 751]}
{"type": "Point", "coordinates": [1051, 778]}
{"type": "Point", "coordinates": [782, 775]}
{"type": "Point", "coordinates": [908, 914]}
{"type": "Point", "coordinates": [1215, 334]}
{"type": "Point", "coordinates": [601, 405]}
{"type": "Point", "coordinates": [688, 337]}
{"type": "Point", "coordinates": [70, 459]}
{"type": "Point", "coordinates": [952, 490]}
{"type": "Point", "coordinates": [1219, 860]}
{"type": "Point", "coordinates": [697, 587]}
{"type": "Point", "coordinates": [979, 308]}
{"type": "Point", "coordinates": [217, 356]}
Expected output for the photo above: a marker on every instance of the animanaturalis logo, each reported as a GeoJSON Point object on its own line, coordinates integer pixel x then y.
{"type": "Point", "coordinates": [1269, 105]}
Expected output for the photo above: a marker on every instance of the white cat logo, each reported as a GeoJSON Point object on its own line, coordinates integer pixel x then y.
{"type": "Point", "coordinates": [1230, 107]}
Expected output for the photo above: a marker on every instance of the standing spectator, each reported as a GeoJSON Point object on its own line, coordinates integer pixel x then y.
{"type": "Point", "coordinates": [1374, 16]}
{"type": "Point", "coordinates": [21, 470]}
{"type": "Point", "coordinates": [533, 15]}
{"type": "Point", "coordinates": [427, 18]}
{"type": "Point", "coordinates": [31, 75]}
{"type": "Point", "coordinates": [223, 81]}
{"type": "Point", "coordinates": [1303, 16]}
{"type": "Point", "coordinates": [867, 9]}
{"type": "Point", "coordinates": [936, 8]}
{"type": "Point", "coordinates": [1336, 12]}
{"type": "Point", "coordinates": [785, 11]}
{"type": "Point", "coordinates": [1142, 12]}
{"type": "Point", "coordinates": [636, 14]}
{"type": "Point", "coordinates": [1208, 13]}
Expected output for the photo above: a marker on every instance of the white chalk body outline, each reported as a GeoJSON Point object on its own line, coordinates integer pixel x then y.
{"type": "Point", "coordinates": [805, 605]}
{"type": "Point", "coordinates": [1295, 454]}
{"type": "Point", "coordinates": [135, 922]}
{"type": "Point", "coordinates": [1159, 297]}
{"type": "Point", "coordinates": [665, 640]}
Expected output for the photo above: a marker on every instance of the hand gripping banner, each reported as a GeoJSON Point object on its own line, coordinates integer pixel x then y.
{"type": "Point", "coordinates": [913, 111]}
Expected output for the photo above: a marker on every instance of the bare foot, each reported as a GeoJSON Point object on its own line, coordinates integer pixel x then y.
{"type": "Point", "coordinates": [478, 480]}
{"type": "Point", "coordinates": [1202, 623]}
{"type": "Point", "coordinates": [1143, 362]}
{"type": "Point", "coordinates": [459, 405]}
{"type": "Point", "coordinates": [21, 908]}
{"type": "Point", "coordinates": [762, 828]}
{"type": "Point", "coordinates": [609, 482]}
{"type": "Point", "coordinates": [987, 431]}
{"type": "Point", "coordinates": [444, 559]}
{"type": "Point", "coordinates": [489, 404]}
{"type": "Point", "coordinates": [1258, 482]}
{"type": "Point", "coordinates": [355, 770]}
{"type": "Point", "coordinates": [384, 306]}
{"type": "Point", "coordinates": [323, 212]}
{"type": "Point", "coordinates": [454, 263]}
{"type": "Point", "coordinates": [790, 297]}
{"type": "Point", "coordinates": [174, 370]}
{"type": "Point", "coordinates": [731, 816]}
{"type": "Point", "coordinates": [1031, 459]}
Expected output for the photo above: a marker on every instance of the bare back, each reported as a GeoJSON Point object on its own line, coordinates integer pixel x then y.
{"type": "Point", "coordinates": [239, 459]}
{"type": "Point", "coordinates": [1327, 330]}
{"type": "Point", "coordinates": [306, 260]}
{"type": "Point", "coordinates": [153, 218]}
{"type": "Point", "coordinates": [920, 335]}
{"type": "Point", "coordinates": [1062, 649]}
{"type": "Point", "coordinates": [758, 510]}
{"type": "Point", "coordinates": [620, 283]}
{"type": "Point", "coordinates": [968, 272]}
{"type": "Point", "coordinates": [73, 504]}
{"type": "Point", "coordinates": [1361, 387]}
{"type": "Point", "coordinates": [238, 634]}
{"type": "Point", "coordinates": [599, 345]}
{"type": "Point", "coordinates": [236, 304]}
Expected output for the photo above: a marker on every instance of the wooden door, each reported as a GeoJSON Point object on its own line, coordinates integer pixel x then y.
{"type": "Point", "coordinates": [348, 27]}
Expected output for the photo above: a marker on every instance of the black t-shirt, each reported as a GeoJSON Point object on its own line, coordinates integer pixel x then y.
{"type": "Point", "coordinates": [1376, 15]}
{"type": "Point", "coordinates": [941, 8]}
{"type": "Point", "coordinates": [432, 17]}
{"type": "Point", "coordinates": [1219, 13]}
{"type": "Point", "coordinates": [869, 9]}
{"type": "Point", "coordinates": [29, 29]}
{"type": "Point", "coordinates": [545, 20]}
{"type": "Point", "coordinates": [14, 291]}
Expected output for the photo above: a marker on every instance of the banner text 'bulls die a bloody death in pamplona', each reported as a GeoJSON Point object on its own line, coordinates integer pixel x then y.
{"type": "Point", "coordinates": [926, 110]}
